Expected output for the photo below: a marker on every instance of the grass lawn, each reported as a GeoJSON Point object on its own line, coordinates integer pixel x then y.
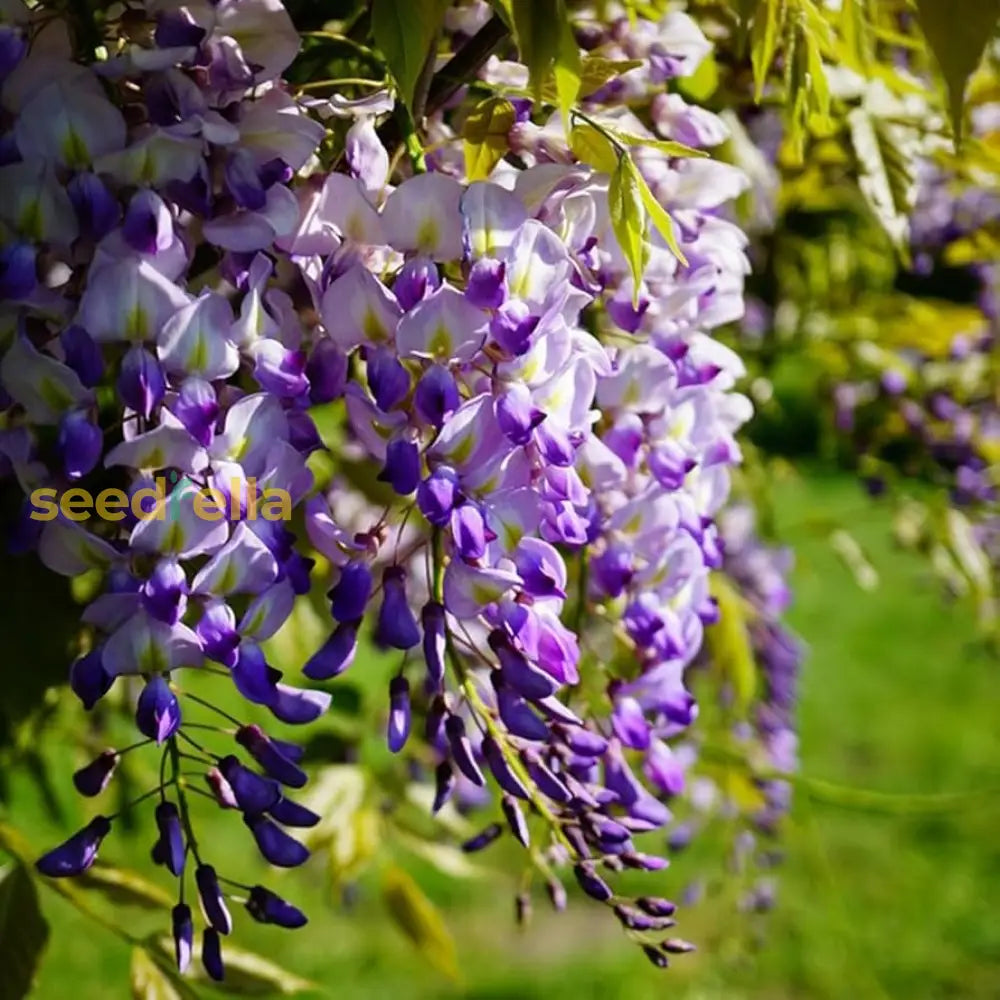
{"type": "Point", "coordinates": [896, 697]}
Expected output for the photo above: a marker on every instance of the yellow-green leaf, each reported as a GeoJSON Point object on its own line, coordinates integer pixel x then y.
{"type": "Point", "coordinates": [153, 980]}
{"type": "Point", "coordinates": [125, 888]}
{"type": "Point", "coordinates": [660, 218]}
{"type": "Point", "coordinates": [404, 31]}
{"type": "Point", "coordinates": [567, 69]}
{"type": "Point", "coordinates": [957, 32]}
{"type": "Point", "coordinates": [768, 21]}
{"type": "Point", "coordinates": [667, 146]}
{"type": "Point", "coordinates": [628, 218]}
{"type": "Point", "coordinates": [590, 146]}
{"type": "Point", "coordinates": [537, 32]}
{"type": "Point", "coordinates": [419, 919]}
{"type": "Point", "coordinates": [729, 644]}
{"type": "Point", "coordinates": [485, 136]}
{"type": "Point", "coordinates": [23, 932]}
{"type": "Point", "coordinates": [596, 71]}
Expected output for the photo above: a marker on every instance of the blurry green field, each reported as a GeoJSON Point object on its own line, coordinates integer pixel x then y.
{"type": "Point", "coordinates": [896, 697]}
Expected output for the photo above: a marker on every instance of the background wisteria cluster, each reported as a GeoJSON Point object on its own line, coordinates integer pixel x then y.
{"type": "Point", "coordinates": [457, 315]}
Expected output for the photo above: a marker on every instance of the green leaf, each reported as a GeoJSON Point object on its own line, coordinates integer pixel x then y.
{"type": "Point", "coordinates": [628, 218]}
{"type": "Point", "coordinates": [567, 69]}
{"type": "Point", "coordinates": [957, 32]}
{"type": "Point", "coordinates": [485, 136]}
{"type": "Point", "coordinates": [124, 887]}
{"type": "Point", "coordinates": [24, 932]}
{"type": "Point", "coordinates": [151, 980]}
{"type": "Point", "coordinates": [667, 146]}
{"type": "Point", "coordinates": [886, 174]}
{"type": "Point", "coordinates": [768, 21]}
{"type": "Point", "coordinates": [660, 218]}
{"type": "Point", "coordinates": [538, 33]}
{"type": "Point", "coordinates": [404, 31]}
{"type": "Point", "coordinates": [857, 34]}
{"type": "Point", "coordinates": [247, 973]}
{"type": "Point", "coordinates": [419, 919]}
{"type": "Point", "coordinates": [590, 146]}
{"type": "Point", "coordinates": [596, 71]}
{"type": "Point", "coordinates": [729, 644]}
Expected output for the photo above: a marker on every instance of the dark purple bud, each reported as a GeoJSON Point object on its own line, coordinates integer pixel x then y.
{"type": "Point", "coordinates": [434, 643]}
{"type": "Point", "coordinates": [469, 531]}
{"type": "Point", "coordinates": [77, 854]}
{"type": "Point", "coordinates": [211, 955]}
{"type": "Point", "coordinates": [655, 906]}
{"type": "Point", "coordinates": [97, 209]}
{"type": "Point", "coordinates": [437, 495]}
{"type": "Point", "coordinates": [148, 226]}
{"type": "Point", "coordinates": [435, 719]}
{"type": "Point", "coordinates": [213, 905]}
{"type": "Point", "coordinates": [525, 678]}
{"type": "Point", "coordinates": [417, 278]}
{"type": "Point", "coordinates": [607, 830]}
{"type": "Point", "coordinates": [267, 907]}
{"type": "Point", "coordinates": [487, 286]}
{"type": "Point", "coordinates": [515, 820]}
{"type": "Point", "coordinates": [217, 631]}
{"type": "Point", "coordinates": [512, 327]}
{"type": "Point", "coordinates": [140, 382]}
{"type": "Point", "coordinates": [197, 408]}
{"type": "Point", "coordinates": [221, 790]}
{"type": "Point", "coordinates": [183, 931]}
{"type": "Point", "coordinates": [277, 846]}
{"type": "Point", "coordinates": [293, 751]}
{"type": "Point", "coordinates": [516, 715]}
{"type": "Point", "coordinates": [436, 395]}
{"type": "Point", "coordinates": [444, 785]}
{"type": "Point", "coordinates": [93, 778]}
{"type": "Point", "coordinates": [164, 594]}
{"type": "Point", "coordinates": [168, 823]}
{"type": "Point", "coordinates": [502, 771]}
{"type": "Point", "coordinates": [398, 728]}
{"type": "Point", "coordinates": [582, 741]}
{"type": "Point", "coordinates": [82, 355]}
{"type": "Point", "coordinates": [388, 380]}
{"type": "Point", "coordinates": [296, 568]}
{"type": "Point", "coordinates": [591, 883]}
{"type": "Point", "coordinates": [677, 946]}
{"type": "Point", "coordinates": [396, 626]}
{"type": "Point", "coordinates": [557, 895]}
{"type": "Point", "coordinates": [402, 465]}
{"type": "Point", "coordinates": [157, 714]}
{"type": "Point", "coordinates": [13, 45]}
{"type": "Point", "coordinates": [327, 372]}
{"type": "Point", "coordinates": [655, 956]}
{"type": "Point", "coordinates": [293, 814]}
{"type": "Point", "coordinates": [89, 680]}
{"type": "Point", "coordinates": [303, 434]}
{"type": "Point", "coordinates": [349, 596]}
{"type": "Point", "coordinates": [548, 783]}
{"type": "Point", "coordinates": [461, 750]}
{"type": "Point", "coordinates": [335, 655]}
{"type": "Point", "coordinates": [484, 839]}
{"type": "Point", "coordinates": [18, 275]}
{"type": "Point", "coordinates": [80, 444]}
{"type": "Point", "coordinates": [644, 862]}
{"type": "Point", "coordinates": [517, 415]}
{"type": "Point", "coordinates": [254, 793]}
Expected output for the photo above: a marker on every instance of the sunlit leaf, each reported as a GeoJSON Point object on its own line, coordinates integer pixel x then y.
{"type": "Point", "coordinates": [537, 32]}
{"type": "Point", "coordinates": [729, 643]}
{"type": "Point", "coordinates": [485, 136]}
{"type": "Point", "coordinates": [667, 146]}
{"type": "Point", "coordinates": [660, 218]}
{"type": "Point", "coordinates": [24, 932]}
{"type": "Point", "coordinates": [628, 217]}
{"type": "Point", "coordinates": [419, 919]}
{"type": "Point", "coordinates": [404, 31]}
{"type": "Point", "coordinates": [590, 146]}
{"type": "Point", "coordinates": [596, 71]}
{"type": "Point", "coordinates": [567, 69]}
{"type": "Point", "coordinates": [125, 888]}
{"type": "Point", "coordinates": [151, 980]}
{"type": "Point", "coordinates": [768, 21]}
{"type": "Point", "coordinates": [958, 32]}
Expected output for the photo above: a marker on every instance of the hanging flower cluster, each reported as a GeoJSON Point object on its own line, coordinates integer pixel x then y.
{"type": "Point", "coordinates": [552, 438]}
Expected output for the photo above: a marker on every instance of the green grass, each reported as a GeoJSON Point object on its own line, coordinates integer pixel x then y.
{"type": "Point", "coordinates": [896, 696]}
